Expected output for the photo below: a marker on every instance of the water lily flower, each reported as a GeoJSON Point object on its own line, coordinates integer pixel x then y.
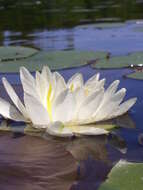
{"type": "Point", "coordinates": [64, 109]}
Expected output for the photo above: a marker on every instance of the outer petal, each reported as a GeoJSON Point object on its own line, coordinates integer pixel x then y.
{"type": "Point", "coordinates": [8, 111]}
{"type": "Point", "coordinates": [46, 74]}
{"type": "Point", "coordinates": [28, 82]}
{"type": "Point", "coordinates": [42, 88]}
{"type": "Point", "coordinates": [88, 130]}
{"type": "Point", "coordinates": [12, 94]}
{"type": "Point", "coordinates": [113, 87]}
{"type": "Point", "coordinates": [58, 129]}
{"type": "Point", "coordinates": [37, 113]}
{"type": "Point", "coordinates": [124, 107]}
{"type": "Point", "coordinates": [93, 79]}
{"type": "Point", "coordinates": [64, 107]}
{"type": "Point", "coordinates": [76, 81]}
{"type": "Point", "coordinates": [60, 84]}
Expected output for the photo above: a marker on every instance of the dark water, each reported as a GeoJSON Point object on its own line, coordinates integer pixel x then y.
{"type": "Point", "coordinates": [35, 163]}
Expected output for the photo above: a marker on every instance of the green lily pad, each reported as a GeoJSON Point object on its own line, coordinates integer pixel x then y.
{"type": "Point", "coordinates": [8, 53]}
{"type": "Point", "coordinates": [119, 61]}
{"type": "Point", "coordinates": [55, 60]}
{"type": "Point", "coordinates": [124, 176]}
{"type": "Point", "coordinates": [103, 25]}
{"type": "Point", "coordinates": [136, 75]}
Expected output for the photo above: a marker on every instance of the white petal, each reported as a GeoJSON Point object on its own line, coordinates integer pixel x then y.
{"type": "Point", "coordinates": [58, 129]}
{"type": "Point", "coordinates": [80, 96]}
{"type": "Point", "coordinates": [28, 82]}
{"type": "Point", "coordinates": [42, 88]}
{"type": "Point", "coordinates": [84, 130]}
{"type": "Point", "coordinates": [90, 105]}
{"type": "Point", "coordinates": [46, 74]}
{"type": "Point", "coordinates": [12, 94]}
{"type": "Point", "coordinates": [60, 84]}
{"type": "Point", "coordinates": [37, 113]}
{"type": "Point", "coordinates": [119, 96]}
{"type": "Point", "coordinates": [124, 107]}
{"type": "Point", "coordinates": [113, 87]}
{"type": "Point", "coordinates": [64, 107]}
{"type": "Point", "coordinates": [76, 81]}
{"type": "Point", "coordinates": [90, 88]}
{"type": "Point", "coordinates": [8, 111]}
{"type": "Point", "coordinates": [107, 105]}
{"type": "Point", "coordinates": [93, 79]}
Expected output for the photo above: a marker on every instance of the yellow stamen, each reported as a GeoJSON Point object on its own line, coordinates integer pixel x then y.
{"type": "Point", "coordinates": [49, 104]}
{"type": "Point", "coordinates": [86, 92]}
{"type": "Point", "coordinates": [72, 88]}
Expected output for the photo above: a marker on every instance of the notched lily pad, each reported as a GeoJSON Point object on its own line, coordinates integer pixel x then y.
{"type": "Point", "coordinates": [133, 59]}
{"type": "Point", "coordinates": [124, 176]}
{"type": "Point", "coordinates": [55, 60]}
{"type": "Point", "coordinates": [9, 53]}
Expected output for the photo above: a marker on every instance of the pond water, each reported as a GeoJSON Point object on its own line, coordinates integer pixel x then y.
{"type": "Point", "coordinates": [37, 163]}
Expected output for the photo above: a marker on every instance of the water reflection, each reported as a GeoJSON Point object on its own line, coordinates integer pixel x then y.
{"type": "Point", "coordinates": [33, 163]}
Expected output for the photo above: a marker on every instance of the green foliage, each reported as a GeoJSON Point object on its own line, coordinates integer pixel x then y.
{"type": "Point", "coordinates": [124, 176]}
{"type": "Point", "coordinates": [15, 53]}
{"type": "Point", "coordinates": [120, 61]}
{"type": "Point", "coordinates": [135, 75]}
{"type": "Point", "coordinates": [104, 25]}
{"type": "Point", "coordinates": [55, 60]}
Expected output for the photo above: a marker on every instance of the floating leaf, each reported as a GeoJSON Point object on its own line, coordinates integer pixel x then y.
{"type": "Point", "coordinates": [117, 62]}
{"type": "Point", "coordinates": [124, 176]}
{"type": "Point", "coordinates": [135, 75]}
{"type": "Point", "coordinates": [8, 53]}
{"type": "Point", "coordinates": [55, 60]}
{"type": "Point", "coordinates": [103, 25]}
{"type": "Point", "coordinates": [34, 163]}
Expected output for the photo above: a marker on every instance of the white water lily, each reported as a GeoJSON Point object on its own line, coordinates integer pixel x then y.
{"type": "Point", "coordinates": [64, 109]}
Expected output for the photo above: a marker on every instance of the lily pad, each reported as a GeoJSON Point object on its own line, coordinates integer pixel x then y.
{"type": "Point", "coordinates": [104, 25]}
{"type": "Point", "coordinates": [135, 75]}
{"type": "Point", "coordinates": [8, 53]}
{"type": "Point", "coordinates": [124, 176]}
{"type": "Point", "coordinates": [55, 60]}
{"type": "Point", "coordinates": [117, 62]}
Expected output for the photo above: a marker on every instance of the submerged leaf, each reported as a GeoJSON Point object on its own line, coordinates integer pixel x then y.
{"type": "Point", "coordinates": [124, 176]}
